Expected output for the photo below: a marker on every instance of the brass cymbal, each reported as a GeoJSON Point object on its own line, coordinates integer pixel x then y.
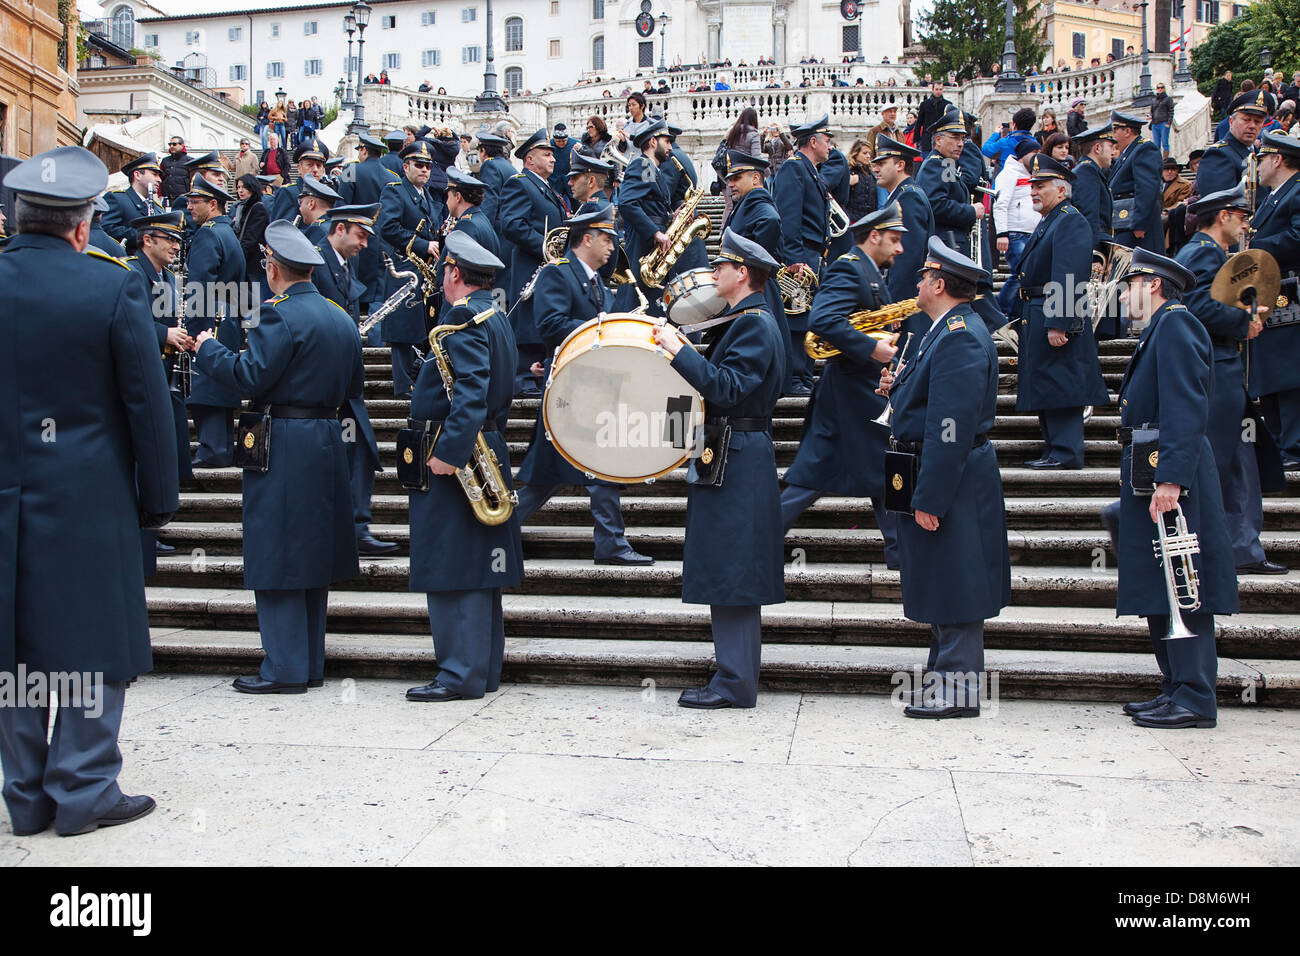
{"type": "Point", "coordinates": [1246, 276]}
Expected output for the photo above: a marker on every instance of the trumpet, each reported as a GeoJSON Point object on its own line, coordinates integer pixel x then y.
{"type": "Point", "coordinates": [1175, 550]}
{"type": "Point", "coordinates": [899, 364]}
{"type": "Point", "coordinates": [837, 220]}
{"type": "Point", "coordinates": [871, 322]}
{"type": "Point", "coordinates": [797, 289]}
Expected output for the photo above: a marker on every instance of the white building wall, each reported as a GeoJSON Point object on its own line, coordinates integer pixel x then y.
{"type": "Point", "coordinates": [747, 32]}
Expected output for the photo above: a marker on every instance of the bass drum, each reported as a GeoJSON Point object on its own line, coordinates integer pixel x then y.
{"type": "Point", "coordinates": [614, 407]}
{"type": "Point", "coordinates": [693, 297]}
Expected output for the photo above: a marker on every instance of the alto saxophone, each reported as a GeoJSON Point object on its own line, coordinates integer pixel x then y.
{"type": "Point", "coordinates": [684, 228]}
{"type": "Point", "coordinates": [872, 322]}
{"type": "Point", "coordinates": [485, 487]}
{"type": "Point", "coordinates": [428, 273]}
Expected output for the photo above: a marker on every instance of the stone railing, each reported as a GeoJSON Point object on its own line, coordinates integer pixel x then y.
{"type": "Point", "coordinates": [756, 77]}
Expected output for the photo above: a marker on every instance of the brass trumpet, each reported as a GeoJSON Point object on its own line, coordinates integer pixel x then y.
{"type": "Point", "coordinates": [1175, 550]}
{"type": "Point", "coordinates": [872, 322]}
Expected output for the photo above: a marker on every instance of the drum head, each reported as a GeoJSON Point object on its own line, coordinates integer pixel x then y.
{"type": "Point", "coordinates": [620, 412]}
{"type": "Point", "coordinates": [693, 297]}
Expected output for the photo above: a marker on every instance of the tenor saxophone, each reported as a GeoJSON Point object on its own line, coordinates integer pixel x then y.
{"type": "Point", "coordinates": [485, 487]}
{"type": "Point", "coordinates": [872, 322]}
{"type": "Point", "coordinates": [685, 227]}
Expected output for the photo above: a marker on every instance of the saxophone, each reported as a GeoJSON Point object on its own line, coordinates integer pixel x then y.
{"type": "Point", "coordinates": [428, 272]}
{"type": "Point", "coordinates": [481, 479]}
{"type": "Point", "coordinates": [685, 227]}
{"type": "Point", "coordinates": [871, 322]}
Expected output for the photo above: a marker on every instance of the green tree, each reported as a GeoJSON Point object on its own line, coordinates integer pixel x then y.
{"type": "Point", "coordinates": [965, 37]}
{"type": "Point", "coordinates": [1236, 44]}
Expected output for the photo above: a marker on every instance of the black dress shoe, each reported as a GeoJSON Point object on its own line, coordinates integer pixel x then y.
{"type": "Point", "coordinates": [530, 393]}
{"type": "Point", "coordinates": [432, 693]}
{"type": "Point", "coordinates": [939, 709]}
{"type": "Point", "coordinates": [1134, 708]}
{"type": "Point", "coordinates": [703, 698]}
{"type": "Point", "coordinates": [160, 548]}
{"type": "Point", "coordinates": [799, 391]}
{"type": "Point", "coordinates": [628, 559]}
{"type": "Point", "coordinates": [255, 685]}
{"type": "Point", "coordinates": [1291, 464]}
{"type": "Point", "coordinates": [1262, 567]}
{"type": "Point", "coordinates": [369, 544]}
{"type": "Point", "coordinates": [1173, 717]}
{"type": "Point", "coordinates": [192, 485]}
{"type": "Point", "coordinates": [125, 811]}
{"type": "Point", "coordinates": [316, 682]}
{"type": "Point", "coordinates": [1044, 464]}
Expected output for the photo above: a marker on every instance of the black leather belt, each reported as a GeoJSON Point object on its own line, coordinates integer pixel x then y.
{"type": "Point", "coordinates": [303, 411]}
{"type": "Point", "coordinates": [1122, 195]}
{"type": "Point", "coordinates": [743, 424]}
{"type": "Point", "coordinates": [1032, 292]}
{"type": "Point", "coordinates": [432, 425]}
{"type": "Point", "coordinates": [1124, 434]}
{"type": "Point", "coordinates": [914, 447]}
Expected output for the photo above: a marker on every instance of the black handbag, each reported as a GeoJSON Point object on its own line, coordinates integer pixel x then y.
{"type": "Point", "coordinates": [1121, 214]}
{"type": "Point", "coordinates": [709, 467]}
{"type": "Point", "coordinates": [901, 470]}
{"type": "Point", "coordinates": [1146, 456]}
{"type": "Point", "coordinates": [253, 440]}
{"type": "Point", "coordinates": [414, 446]}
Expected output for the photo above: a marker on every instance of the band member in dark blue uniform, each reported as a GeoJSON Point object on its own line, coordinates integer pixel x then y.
{"type": "Point", "coordinates": [956, 566]}
{"type": "Point", "coordinates": [564, 150]}
{"type": "Point", "coordinates": [214, 258]}
{"type": "Point", "coordinates": [158, 239]}
{"type": "Point", "coordinates": [139, 198]}
{"type": "Point", "coordinates": [740, 382]}
{"type": "Point", "coordinates": [494, 170]}
{"type": "Point", "coordinates": [941, 180]}
{"type": "Point", "coordinates": [893, 167]}
{"type": "Point", "coordinates": [643, 201]}
{"type": "Point", "coordinates": [804, 204]}
{"type": "Point", "coordinates": [529, 209]}
{"type": "Point", "coordinates": [678, 176]}
{"type": "Point", "coordinates": [362, 184]}
{"type": "Point", "coordinates": [1059, 371]}
{"type": "Point", "coordinates": [310, 156]}
{"type": "Point", "coordinates": [464, 209]}
{"type": "Point", "coordinates": [315, 199]}
{"type": "Point", "coordinates": [1136, 185]}
{"type": "Point", "coordinates": [350, 229]}
{"type": "Point", "coordinates": [1223, 217]}
{"type": "Point", "coordinates": [99, 239]}
{"type": "Point", "coordinates": [303, 361]}
{"type": "Point", "coordinates": [1091, 195]}
{"type": "Point", "coordinates": [74, 502]}
{"type": "Point", "coordinates": [1223, 163]}
{"type": "Point", "coordinates": [1275, 228]}
{"type": "Point", "coordinates": [835, 173]}
{"type": "Point", "coordinates": [395, 140]}
{"type": "Point", "coordinates": [410, 218]}
{"type": "Point", "coordinates": [1167, 387]}
{"type": "Point", "coordinates": [754, 216]}
{"type": "Point", "coordinates": [569, 293]}
{"type": "Point", "coordinates": [461, 563]}
{"type": "Point", "coordinates": [843, 449]}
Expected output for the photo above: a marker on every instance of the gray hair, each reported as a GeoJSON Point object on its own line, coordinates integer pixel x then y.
{"type": "Point", "coordinates": [49, 220]}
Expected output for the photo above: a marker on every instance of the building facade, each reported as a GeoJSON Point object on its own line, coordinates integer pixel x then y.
{"type": "Point", "coordinates": [536, 43]}
{"type": "Point", "coordinates": [37, 93]}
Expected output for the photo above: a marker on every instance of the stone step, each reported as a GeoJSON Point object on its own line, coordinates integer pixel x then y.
{"type": "Point", "coordinates": [1042, 586]}
{"type": "Point", "coordinates": [1020, 674]}
{"type": "Point", "coordinates": [598, 618]}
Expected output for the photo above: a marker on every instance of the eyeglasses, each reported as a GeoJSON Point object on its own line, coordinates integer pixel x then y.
{"type": "Point", "coordinates": [176, 142]}
{"type": "Point", "coordinates": [418, 164]}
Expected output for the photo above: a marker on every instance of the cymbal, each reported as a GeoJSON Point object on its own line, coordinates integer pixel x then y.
{"type": "Point", "coordinates": [1251, 275]}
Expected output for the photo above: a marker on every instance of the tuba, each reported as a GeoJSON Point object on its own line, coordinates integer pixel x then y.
{"type": "Point", "coordinates": [1103, 286]}
{"type": "Point", "coordinates": [872, 322]}
{"type": "Point", "coordinates": [1175, 550]}
{"type": "Point", "coordinates": [797, 289]}
{"type": "Point", "coordinates": [484, 485]}
{"type": "Point", "coordinates": [684, 228]}
{"type": "Point", "coordinates": [837, 220]}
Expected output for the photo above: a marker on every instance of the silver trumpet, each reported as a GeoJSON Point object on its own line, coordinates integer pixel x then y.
{"type": "Point", "coordinates": [884, 417]}
{"type": "Point", "coordinates": [1175, 551]}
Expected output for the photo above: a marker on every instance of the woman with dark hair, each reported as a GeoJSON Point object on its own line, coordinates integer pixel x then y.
{"type": "Point", "coordinates": [1058, 147]}
{"type": "Point", "coordinates": [263, 121]}
{"type": "Point", "coordinates": [743, 136]}
{"type": "Point", "coordinates": [249, 219]}
{"type": "Point", "coordinates": [596, 137]}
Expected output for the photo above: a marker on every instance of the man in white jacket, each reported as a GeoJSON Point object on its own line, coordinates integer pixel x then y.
{"type": "Point", "coordinates": [1013, 215]}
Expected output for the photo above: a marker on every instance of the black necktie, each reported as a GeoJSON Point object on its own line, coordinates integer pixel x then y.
{"type": "Point", "coordinates": [347, 280]}
{"type": "Point", "coordinates": [593, 289]}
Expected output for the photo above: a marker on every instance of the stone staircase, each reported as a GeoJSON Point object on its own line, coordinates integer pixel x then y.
{"type": "Point", "coordinates": [842, 627]}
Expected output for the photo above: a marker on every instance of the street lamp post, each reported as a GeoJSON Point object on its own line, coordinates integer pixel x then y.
{"type": "Point", "coordinates": [1182, 74]}
{"type": "Point", "coordinates": [489, 101]}
{"type": "Point", "coordinates": [1145, 93]}
{"type": "Point", "coordinates": [350, 27]}
{"type": "Point", "coordinates": [664, 19]}
{"type": "Point", "coordinates": [1009, 79]}
{"type": "Point", "coordinates": [360, 13]}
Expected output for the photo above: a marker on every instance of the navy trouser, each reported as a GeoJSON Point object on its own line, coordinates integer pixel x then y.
{"type": "Point", "coordinates": [69, 777]}
{"type": "Point", "coordinates": [738, 650]}
{"type": "Point", "coordinates": [216, 433]}
{"type": "Point", "coordinates": [527, 355]}
{"type": "Point", "coordinates": [606, 508]}
{"type": "Point", "coordinates": [1243, 503]}
{"type": "Point", "coordinates": [361, 478]}
{"type": "Point", "coordinates": [180, 416]}
{"type": "Point", "coordinates": [799, 361]}
{"type": "Point", "coordinates": [1189, 665]}
{"type": "Point", "coordinates": [1282, 415]}
{"type": "Point", "coordinates": [1062, 430]}
{"type": "Point", "coordinates": [796, 499]}
{"type": "Point", "coordinates": [469, 639]}
{"type": "Point", "coordinates": [957, 656]}
{"type": "Point", "coordinates": [292, 623]}
{"type": "Point", "coordinates": [403, 358]}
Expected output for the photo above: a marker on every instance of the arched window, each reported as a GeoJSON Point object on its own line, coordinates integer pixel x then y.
{"type": "Point", "coordinates": [514, 35]}
{"type": "Point", "coordinates": [514, 80]}
{"type": "Point", "coordinates": [122, 27]}
{"type": "Point", "coordinates": [598, 54]}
